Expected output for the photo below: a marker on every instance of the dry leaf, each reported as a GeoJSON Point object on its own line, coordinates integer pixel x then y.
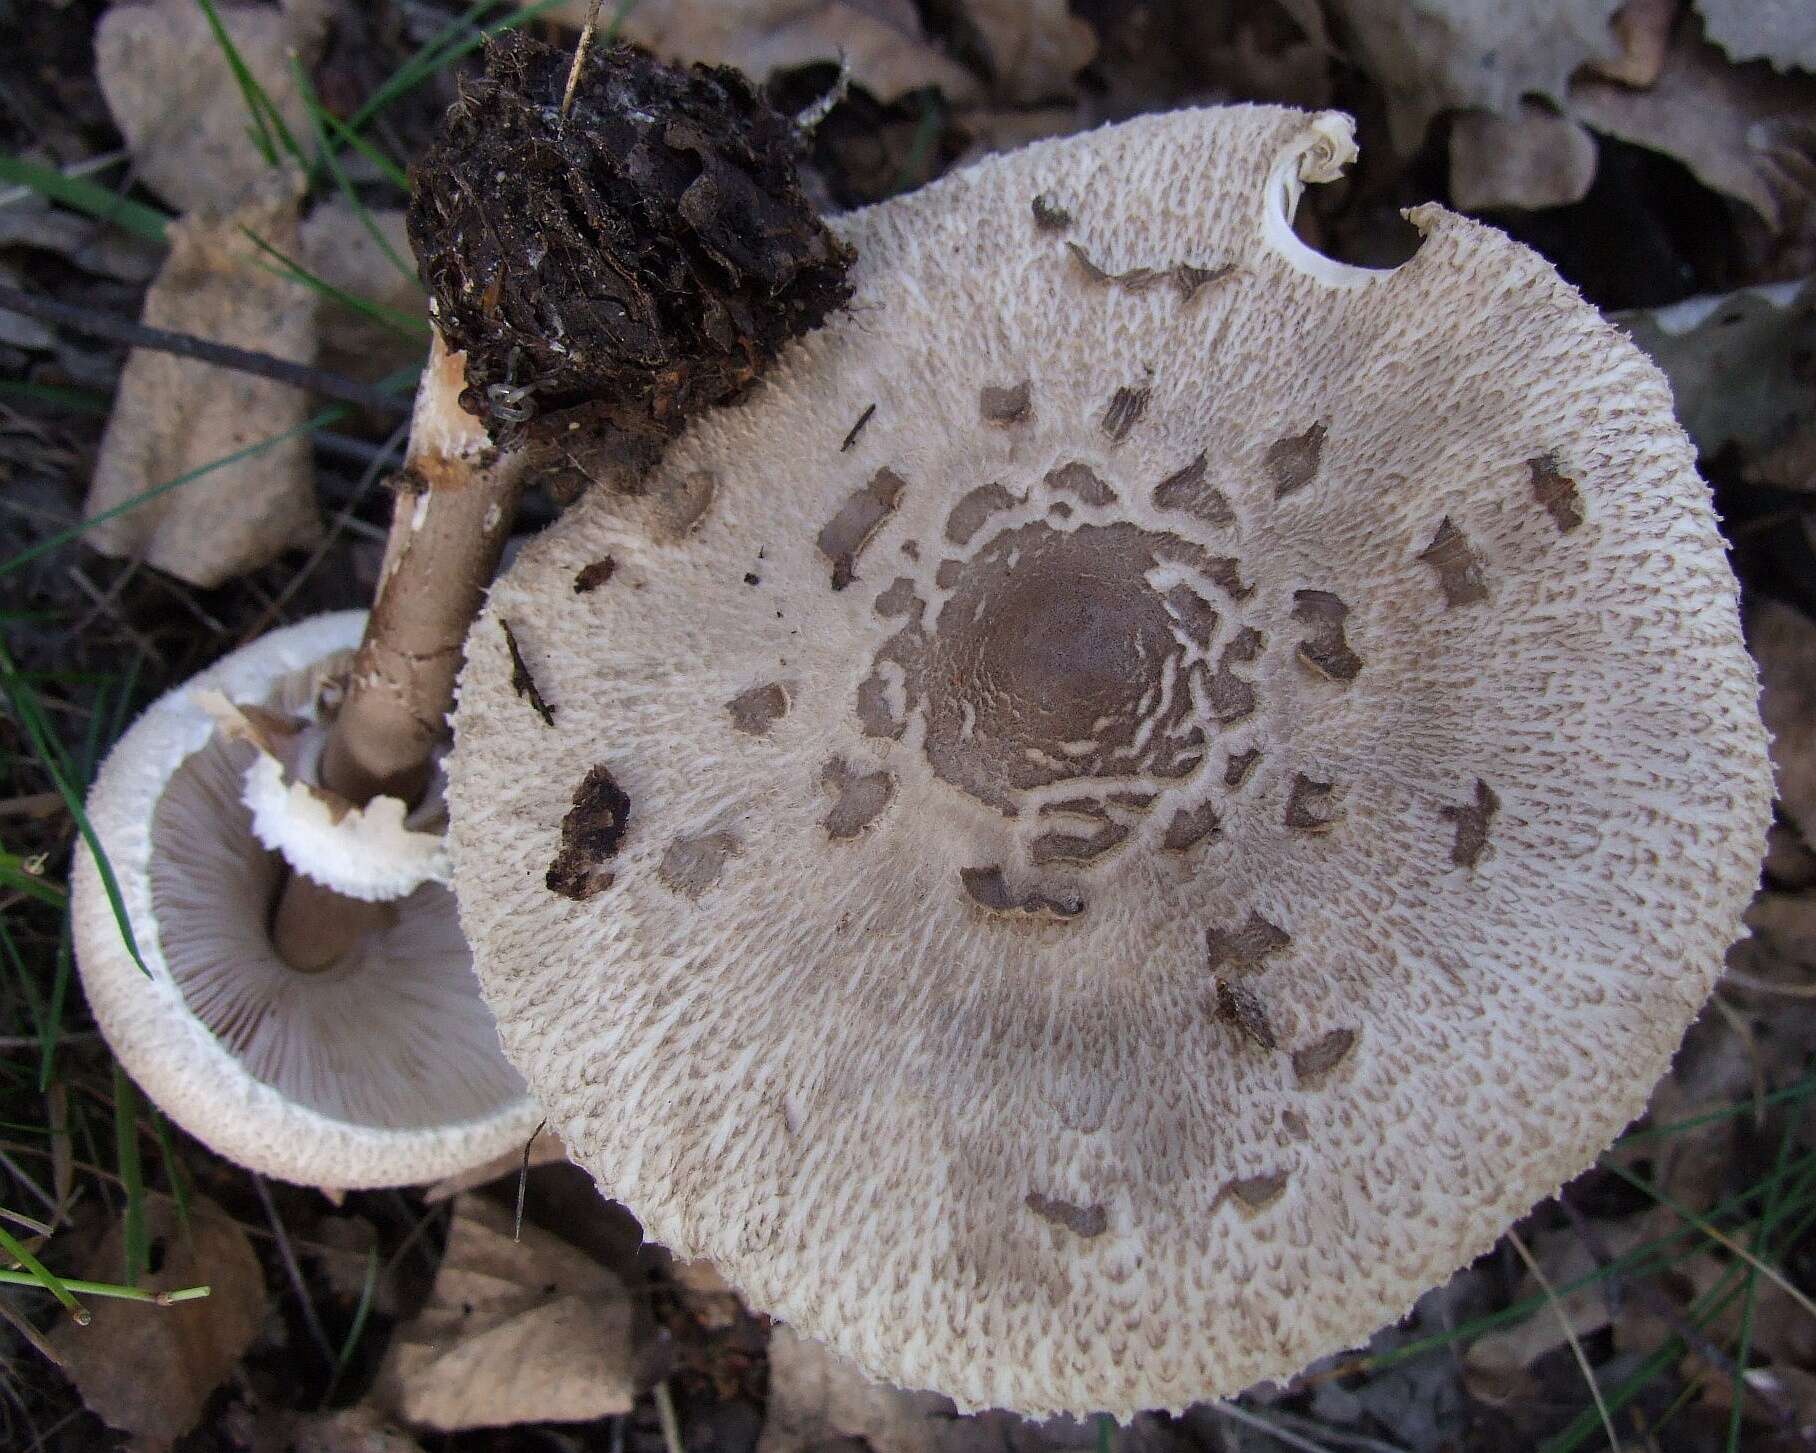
{"type": "Point", "coordinates": [1494, 1368]}
{"type": "Point", "coordinates": [545, 1149]}
{"type": "Point", "coordinates": [514, 1332]}
{"type": "Point", "coordinates": [150, 1370]}
{"type": "Point", "coordinates": [1736, 362]}
{"type": "Point", "coordinates": [1780, 31]}
{"type": "Point", "coordinates": [1535, 158]}
{"type": "Point", "coordinates": [881, 40]}
{"type": "Point", "coordinates": [1641, 1330]}
{"type": "Point", "coordinates": [175, 99]}
{"type": "Point", "coordinates": [1790, 864]}
{"type": "Point", "coordinates": [1790, 465]}
{"type": "Point", "coordinates": [1036, 46]}
{"type": "Point", "coordinates": [343, 1249]}
{"type": "Point", "coordinates": [1744, 131]}
{"type": "Point", "coordinates": [337, 248]}
{"type": "Point", "coordinates": [709, 1299]}
{"type": "Point", "coordinates": [1784, 932]}
{"type": "Point", "coordinates": [1435, 55]}
{"type": "Point", "coordinates": [1783, 641]}
{"type": "Point", "coordinates": [818, 1400]}
{"type": "Point", "coordinates": [1643, 30]}
{"type": "Point", "coordinates": [173, 415]}
{"type": "Point", "coordinates": [1010, 129]}
{"type": "Point", "coordinates": [351, 1430]}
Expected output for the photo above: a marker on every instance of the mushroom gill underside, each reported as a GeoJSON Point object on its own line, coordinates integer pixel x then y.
{"type": "Point", "coordinates": [393, 1035]}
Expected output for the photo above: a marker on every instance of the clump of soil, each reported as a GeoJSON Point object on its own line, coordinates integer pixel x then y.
{"type": "Point", "coordinates": [626, 265]}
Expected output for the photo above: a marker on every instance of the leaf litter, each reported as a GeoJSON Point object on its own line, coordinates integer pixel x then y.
{"type": "Point", "coordinates": [1541, 114]}
{"type": "Point", "coordinates": [519, 1328]}
{"type": "Point", "coordinates": [171, 414]}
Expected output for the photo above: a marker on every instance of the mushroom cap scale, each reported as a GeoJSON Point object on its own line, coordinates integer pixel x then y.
{"type": "Point", "coordinates": [1228, 790]}
{"type": "Point", "coordinates": [382, 1070]}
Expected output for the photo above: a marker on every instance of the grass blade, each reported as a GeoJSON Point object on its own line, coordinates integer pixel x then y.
{"type": "Point", "coordinates": [37, 1274]}
{"type": "Point", "coordinates": [86, 196]}
{"type": "Point", "coordinates": [360, 210]}
{"type": "Point", "coordinates": [1563, 1320]}
{"type": "Point", "coordinates": [31, 718]}
{"type": "Point", "coordinates": [402, 379]}
{"type": "Point", "coordinates": [389, 169]}
{"type": "Point", "coordinates": [427, 61]}
{"type": "Point", "coordinates": [266, 121]}
{"type": "Point", "coordinates": [53, 1015]}
{"type": "Point", "coordinates": [367, 1293]}
{"type": "Point", "coordinates": [132, 1176]}
{"type": "Point", "coordinates": [402, 323]}
{"type": "Point", "coordinates": [77, 400]}
{"type": "Point", "coordinates": [63, 537]}
{"type": "Point", "coordinates": [103, 1289]}
{"type": "Point", "coordinates": [174, 1169]}
{"type": "Point", "coordinates": [15, 875]}
{"type": "Point", "coordinates": [1743, 1350]}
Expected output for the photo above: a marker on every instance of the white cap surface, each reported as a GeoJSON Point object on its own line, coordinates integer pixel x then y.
{"type": "Point", "coordinates": [1103, 883]}
{"type": "Point", "coordinates": [381, 1070]}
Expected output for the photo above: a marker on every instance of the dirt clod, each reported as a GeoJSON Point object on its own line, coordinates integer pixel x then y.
{"type": "Point", "coordinates": [627, 267]}
{"type": "Point", "coordinates": [591, 835]}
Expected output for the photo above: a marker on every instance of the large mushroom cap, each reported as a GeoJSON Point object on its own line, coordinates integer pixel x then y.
{"type": "Point", "coordinates": [383, 1069]}
{"type": "Point", "coordinates": [1104, 882]}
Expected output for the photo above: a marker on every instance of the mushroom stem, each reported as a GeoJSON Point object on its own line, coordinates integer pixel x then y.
{"type": "Point", "coordinates": [313, 926]}
{"type": "Point", "coordinates": [455, 501]}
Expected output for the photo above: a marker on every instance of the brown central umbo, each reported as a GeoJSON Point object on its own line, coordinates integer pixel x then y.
{"type": "Point", "coordinates": [1054, 658]}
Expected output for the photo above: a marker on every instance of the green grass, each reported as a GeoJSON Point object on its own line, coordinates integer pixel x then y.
{"type": "Point", "coordinates": [57, 766]}
{"type": "Point", "coordinates": [83, 195]}
{"type": "Point", "coordinates": [269, 132]}
{"type": "Point", "coordinates": [319, 117]}
{"type": "Point", "coordinates": [368, 1292]}
{"type": "Point", "coordinates": [406, 325]}
{"type": "Point", "coordinates": [132, 1176]}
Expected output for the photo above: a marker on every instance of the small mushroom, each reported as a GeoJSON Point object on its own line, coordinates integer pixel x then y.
{"type": "Point", "coordinates": [381, 1069]}
{"type": "Point", "coordinates": [1191, 884]}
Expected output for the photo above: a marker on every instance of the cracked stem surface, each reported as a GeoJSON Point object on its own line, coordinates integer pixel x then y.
{"type": "Point", "coordinates": [455, 501]}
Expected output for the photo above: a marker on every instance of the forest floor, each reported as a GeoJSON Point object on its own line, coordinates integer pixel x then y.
{"type": "Point", "coordinates": [1666, 1291]}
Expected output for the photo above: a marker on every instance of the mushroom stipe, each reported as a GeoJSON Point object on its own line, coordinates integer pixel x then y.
{"type": "Point", "coordinates": [1226, 796]}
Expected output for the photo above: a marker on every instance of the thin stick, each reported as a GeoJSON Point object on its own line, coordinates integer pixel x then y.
{"type": "Point", "coordinates": [1738, 980]}
{"type": "Point", "coordinates": [665, 1415]}
{"type": "Point", "coordinates": [30, 1333]}
{"type": "Point", "coordinates": [292, 1269]}
{"type": "Point", "coordinates": [584, 44]}
{"type": "Point", "coordinates": [1563, 1321]}
{"type": "Point", "coordinates": [202, 350]}
{"type": "Point", "coordinates": [1236, 1413]}
{"type": "Point", "coordinates": [523, 1181]}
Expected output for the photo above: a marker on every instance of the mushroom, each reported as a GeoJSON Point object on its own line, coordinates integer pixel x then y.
{"type": "Point", "coordinates": [1104, 883]}
{"type": "Point", "coordinates": [383, 1068]}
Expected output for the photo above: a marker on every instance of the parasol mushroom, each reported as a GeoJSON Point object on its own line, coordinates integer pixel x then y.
{"type": "Point", "coordinates": [379, 1068]}
{"type": "Point", "coordinates": [1139, 803]}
